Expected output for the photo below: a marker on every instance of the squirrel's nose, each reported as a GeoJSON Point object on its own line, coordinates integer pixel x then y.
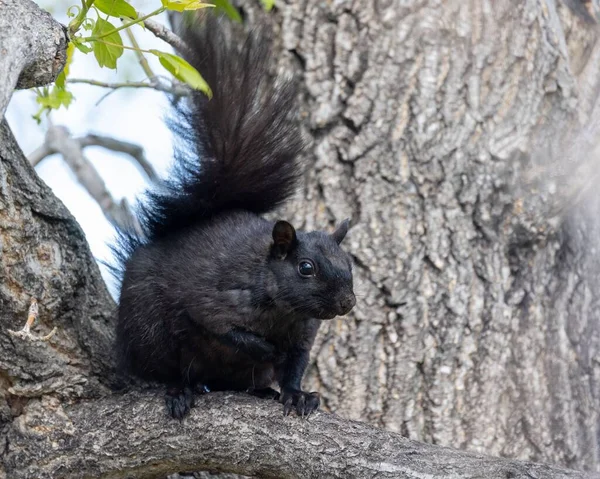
{"type": "Point", "coordinates": [347, 303]}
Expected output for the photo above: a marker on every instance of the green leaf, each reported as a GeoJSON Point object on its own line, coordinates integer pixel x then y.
{"type": "Point", "coordinates": [116, 8]}
{"type": "Point", "coordinates": [81, 46]}
{"type": "Point", "coordinates": [106, 54]}
{"type": "Point", "coordinates": [268, 4]}
{"type": "Point", "coordinates": [54, 98]}
{"type": "Point", "coordinates": [183, 71]}
{"type": "Point", "coordinates": [181, 5]}
{"type": "Point", "coordinates": [228, 9]}
{"type": "Point", "coordinates": [62, 76]}
{"type": "Point", "coordinates": [64, 97]}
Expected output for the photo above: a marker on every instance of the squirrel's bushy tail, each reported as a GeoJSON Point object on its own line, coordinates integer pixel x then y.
{"type": "Point", "coordinates": [238, 150]}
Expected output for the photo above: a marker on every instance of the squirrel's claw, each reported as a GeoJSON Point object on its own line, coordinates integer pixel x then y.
{"type": "Point", "coordinates": [179, 402]}
{"type": "Point", "coordinates": [305, 403]}
{"type": "Point", "coordinates": [287, 406]}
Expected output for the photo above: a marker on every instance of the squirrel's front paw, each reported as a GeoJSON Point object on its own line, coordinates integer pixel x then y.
{"type": "Point", "coordinates": [305, 403]}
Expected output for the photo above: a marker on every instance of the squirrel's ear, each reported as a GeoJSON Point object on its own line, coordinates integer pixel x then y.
{"type": "Point", "coordinates": [340, 233]}
{"type": "Point", "coordinates": [284, 239]}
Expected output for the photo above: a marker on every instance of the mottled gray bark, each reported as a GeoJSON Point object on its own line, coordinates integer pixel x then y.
{"type": "Point", "coordinates": [44, 256]}
{"type": "Point", "coordinates": [34, 58]}
{"type": "Point", "coordinates": [125, 436]}
{"type": "Point", "coordinates": [458, 136]}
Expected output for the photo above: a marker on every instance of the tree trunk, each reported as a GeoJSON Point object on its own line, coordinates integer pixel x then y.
{"type": "Point", "coordinates": [459, 137]}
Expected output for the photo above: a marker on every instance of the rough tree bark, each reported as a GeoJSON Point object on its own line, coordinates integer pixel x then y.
{"type": "Point", "coordinates": [459, 138]}
{"type": "Point", "coordinates": [60, 419]}
{"type": "Point", "coordinates": [477, 323]}
{"type": "Point", "coordinates": [26, 62]}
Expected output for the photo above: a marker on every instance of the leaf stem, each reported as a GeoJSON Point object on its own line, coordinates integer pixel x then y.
{"type": "Point", "coordinates": [112, 44]}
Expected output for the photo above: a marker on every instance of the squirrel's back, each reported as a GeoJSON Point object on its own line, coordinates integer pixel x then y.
{"type": "Point", "coordinates": [236, 151]}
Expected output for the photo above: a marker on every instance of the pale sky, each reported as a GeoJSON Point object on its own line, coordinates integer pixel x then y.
{"type": "Point", "coordinates": [136, 116]}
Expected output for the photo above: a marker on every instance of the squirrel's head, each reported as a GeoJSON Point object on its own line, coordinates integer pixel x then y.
{"type": "Point", "coordinates": [313, 273]}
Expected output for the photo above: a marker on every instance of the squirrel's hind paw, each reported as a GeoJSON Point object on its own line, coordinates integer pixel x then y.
{"type": "Point", "coordinates": [179, 402]}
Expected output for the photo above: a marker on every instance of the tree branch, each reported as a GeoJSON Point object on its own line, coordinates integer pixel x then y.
{"type": "Point", "coordinates": [174, 88]}
{"type": "Point", "coordinates": [130, 435]}
{"type": "Point", "coordinates": [35, 55]}
{"type": "Point", "coordinates": [165, 34]}
{"type": "Point", "coordinates": [140, 56]}
{"type": "Point", "coordinates": [59, 140]}
{"type": "Point", "coordinates": [41, 152]}
{"type": "Point", "coordinates": [133, 150]}
{"type": "Point", "coordinates": [45, 255]}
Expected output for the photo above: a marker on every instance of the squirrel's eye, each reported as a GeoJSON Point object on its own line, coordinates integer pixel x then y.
{"type": "Point", "coordinates": [306, 268]}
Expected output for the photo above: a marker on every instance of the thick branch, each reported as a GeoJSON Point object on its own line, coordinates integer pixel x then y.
{"type": "Point", "coordinates": [32, 48]}
{"type": "Point", "coordinates": [125, 436]}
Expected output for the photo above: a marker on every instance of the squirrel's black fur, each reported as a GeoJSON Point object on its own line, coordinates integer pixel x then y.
{"type": "Point", "coordinates": [213, 296]}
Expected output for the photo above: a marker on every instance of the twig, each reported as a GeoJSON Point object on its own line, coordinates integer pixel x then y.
{"type": "Point", "coordinates": [26, 333]}
{"type": "Point", "coordinates": [175, 88]}
{"type": "Point", "coordinates": [129, 84]}
{"type": "Point", "coordinates": [141, 58]}
{"type": "Point", "coordinates": [167, 35]}
{"type": "Point", "coordinates": [32, 314]}
{"type": "Point", "coordinates": [80, 18]}
{"type": "Point", "coordinates": [133, 150]}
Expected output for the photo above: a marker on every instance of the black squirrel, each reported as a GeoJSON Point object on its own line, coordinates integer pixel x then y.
{"type": "Point", "coordinates": [213, 296]}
